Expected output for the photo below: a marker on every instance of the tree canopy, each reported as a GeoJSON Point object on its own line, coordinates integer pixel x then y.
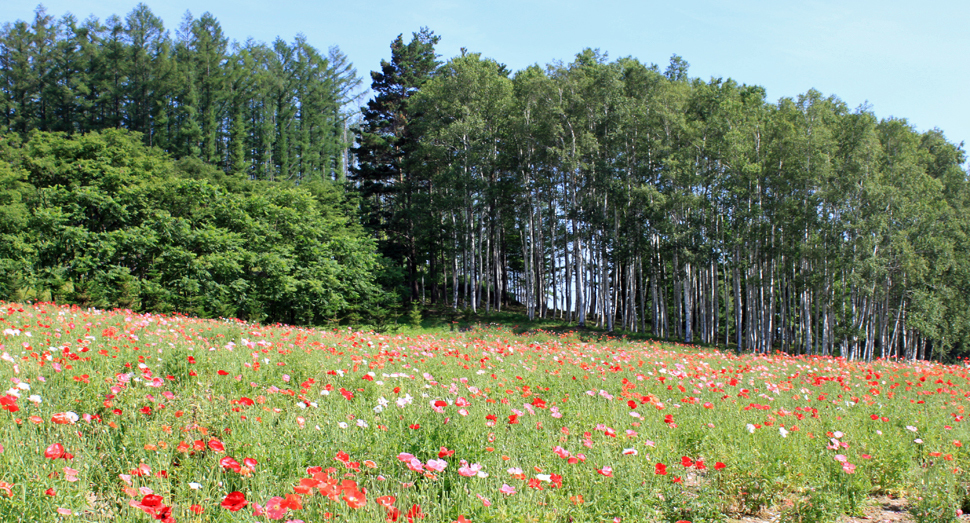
{"type": "Point", "coordinates": [609, 191]}
{"type": "Point", "coordinates": [222, 178]}
{"type": "Point", "coordinates": [101, 219]}
{"type": "Point", "coordinates": [264, 111]}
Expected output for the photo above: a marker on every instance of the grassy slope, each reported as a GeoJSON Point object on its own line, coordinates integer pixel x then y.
{"type": "Point", "coordinates": [576, 424]}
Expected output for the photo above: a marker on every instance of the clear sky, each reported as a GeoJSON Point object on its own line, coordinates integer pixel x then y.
{"type": "Point", "coordinates": [906, 58]}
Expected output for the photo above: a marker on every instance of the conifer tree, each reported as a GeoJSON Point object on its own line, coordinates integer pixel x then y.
{"type": "Point", "coordinates": [386, 151]}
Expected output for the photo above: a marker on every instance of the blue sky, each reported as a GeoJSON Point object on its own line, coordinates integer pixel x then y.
{"type": "Point", "coordinates": [908, 59]}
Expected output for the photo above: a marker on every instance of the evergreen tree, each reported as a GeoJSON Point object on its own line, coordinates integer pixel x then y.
{"type": "Point", "coordinates": [387, 175]}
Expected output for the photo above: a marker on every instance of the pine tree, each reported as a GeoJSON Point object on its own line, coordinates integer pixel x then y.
{"type": "Point", "coordinates": [386, 151]}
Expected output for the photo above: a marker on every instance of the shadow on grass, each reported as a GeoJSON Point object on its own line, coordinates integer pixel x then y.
{"type": "Point", "coordinates": [515, 320]}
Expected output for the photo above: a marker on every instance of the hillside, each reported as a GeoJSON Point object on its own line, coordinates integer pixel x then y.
{"type": "Point", "coordinates": [114, 415]}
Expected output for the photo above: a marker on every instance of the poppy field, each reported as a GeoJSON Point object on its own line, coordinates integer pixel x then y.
{"type": "Point", "coordinates": [118, 416]}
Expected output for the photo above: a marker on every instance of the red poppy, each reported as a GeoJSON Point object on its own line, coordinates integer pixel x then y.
{"type": "Point", "coordinates": [306, 486]}
{"type": "Point", "coordinates": [355, 498]}
{"type": "Point", "coordinates": [719, 465]}
{"type": "Point", "coordinates": [660, 469]}
{"type": "Point", "coordinates": [151, 500]}
{"type": "Point", "coordinates": [64, 418]}
{"type": "Point", "coordinates": [216, 445]}
{"type": "Point", "coordinates": [9, 403]}
{"type": "Point", "coordinates": [54, 451]}
{"type": "Point", "coordinates": [556, 480]}
{"type": "Point", "coordinates": [234, 501]}
{"type": "Point", "coordinates": [292, 502]}
{"type": "Point", "coordinates": [414, 513]}
{"type": "Point", "coordinates": [230, 463]}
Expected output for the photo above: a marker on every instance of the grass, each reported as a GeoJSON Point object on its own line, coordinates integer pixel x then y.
{"type": "Point", "coordinates": [529, 422]}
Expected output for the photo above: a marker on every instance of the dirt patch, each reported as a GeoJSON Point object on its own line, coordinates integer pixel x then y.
{"type": "Point", "coordinates": [881, 510]}
{"type": "Point", "coordinates": [884, 510]}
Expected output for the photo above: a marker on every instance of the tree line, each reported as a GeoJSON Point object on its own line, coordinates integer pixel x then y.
{"type": "Point", "coordinates": [267, 111]}
{"type": "Point", "coordinates": [614, 194]}
{"type": "Point", "coordinates": [100, 219]}
{"type": "Point", "coordinates": [602, 192]}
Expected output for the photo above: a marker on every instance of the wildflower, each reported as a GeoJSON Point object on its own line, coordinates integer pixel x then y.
{"type": "Point", "coordinates": [436, 465]}
{"type": "Point", "coordinates": [355, 498]}
{"type": "Point", "coordinates": [469, 470]}
{"type": "Point", "coordinates": [54, 451]}
{"type": "Point", "coordinates": [274, 508]}
{"type": "Point", "coordinates": [414, 513]}
{"type": "Point", "coordinates": [234, 501]}
{"type": "Point", "coordinates": [228, 462]}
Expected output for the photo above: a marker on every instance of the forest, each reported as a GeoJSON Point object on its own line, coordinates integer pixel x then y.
{"type": "Point", "coordinates": [612, 194]}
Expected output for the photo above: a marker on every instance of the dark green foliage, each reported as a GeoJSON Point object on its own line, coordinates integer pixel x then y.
{"type": "Point", "coordinates": [608, 191]}
{"type": "Point", "coordinates": [100, 219]}
{"type": "Point", "coordinates": [388, 173]}
{"type": "Point", "coordinates": [253, 110]}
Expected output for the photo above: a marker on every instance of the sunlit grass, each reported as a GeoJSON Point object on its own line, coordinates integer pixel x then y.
{"type": "Point", "coordinates": [442, 426]}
